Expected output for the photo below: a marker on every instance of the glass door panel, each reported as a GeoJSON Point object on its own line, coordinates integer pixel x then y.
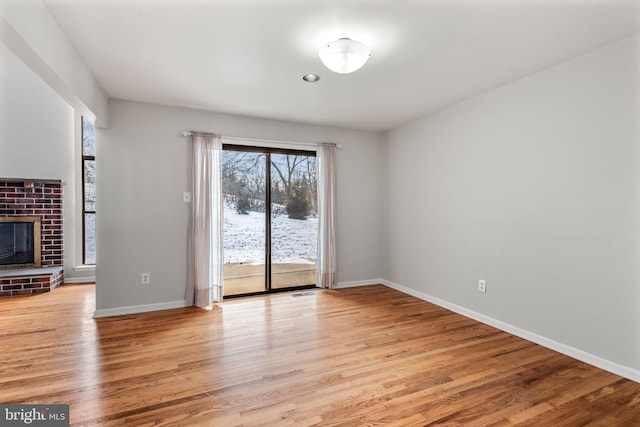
{"type": "Point", "coordinates": [293, 220]}
{"type": "Point", "coordinates": [243, 181]}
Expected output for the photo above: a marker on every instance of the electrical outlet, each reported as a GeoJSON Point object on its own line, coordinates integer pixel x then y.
{"type": "Point", "coordinates": [146, 278]}
{"type": "Point", "coordinates": [186, 197]}
{"type": "Point", "coordinates": [482, 286]}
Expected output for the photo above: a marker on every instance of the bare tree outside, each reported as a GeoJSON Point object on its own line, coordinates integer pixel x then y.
{"type": "Point", "coordinates": [294, 181]}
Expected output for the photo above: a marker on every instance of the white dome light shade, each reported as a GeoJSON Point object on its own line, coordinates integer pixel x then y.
{"type": "Point", "coordinates": [344, 55]}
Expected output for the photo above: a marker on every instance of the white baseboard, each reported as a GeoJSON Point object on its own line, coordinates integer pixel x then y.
{"type": "Point", "coordinates": [583, 356]}
{"type": "Point", "coordinates": [134, 309]}
{"type": "Point", "coordinates": [353, 284]}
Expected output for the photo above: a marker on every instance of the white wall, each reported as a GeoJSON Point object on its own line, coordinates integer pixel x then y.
{"type": "Point", "coordinates": [142, 222]}
{"type": "Point", "coordinates": [534, 188]}
{"type": "Point", "coordinates": [30, 32]}
{"type": "Point", "coordinates": [37, 139]}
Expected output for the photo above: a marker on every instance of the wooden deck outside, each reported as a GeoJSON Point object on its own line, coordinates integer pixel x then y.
{"type": "Point", "coordinates": [248, 278]}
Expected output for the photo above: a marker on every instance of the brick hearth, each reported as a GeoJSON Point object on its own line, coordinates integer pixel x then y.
{"type": "Point", "coordinates": [30, 281]}
{"type": "Point", "coordinates": [42, 198]}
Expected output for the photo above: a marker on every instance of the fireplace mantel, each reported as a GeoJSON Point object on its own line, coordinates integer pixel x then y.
{"type": "Point", "coordinates": [32, 180]}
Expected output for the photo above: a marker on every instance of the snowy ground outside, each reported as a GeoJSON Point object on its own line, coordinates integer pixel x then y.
{"type": "Point", "coordinates": [90, 239]}
{"type": "Point", "coordinates": [293, 240]}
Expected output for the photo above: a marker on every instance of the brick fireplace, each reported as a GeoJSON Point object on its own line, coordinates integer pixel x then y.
{"type": "Point", "coordinates": [42, 200]}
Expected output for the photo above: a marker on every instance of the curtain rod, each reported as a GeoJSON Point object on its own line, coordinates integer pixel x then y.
{"type": "Point", "coordinates": [267, 141]}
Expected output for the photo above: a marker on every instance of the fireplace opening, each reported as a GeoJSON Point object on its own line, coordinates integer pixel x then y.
{"type": "Point", "coordinates": [20, 242]}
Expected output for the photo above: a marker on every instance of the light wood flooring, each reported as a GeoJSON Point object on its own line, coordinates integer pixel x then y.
{"type": "Point", "coordinates": [367, 356]}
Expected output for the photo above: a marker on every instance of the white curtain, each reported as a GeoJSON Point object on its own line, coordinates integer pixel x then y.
{"type": "Point", "coordinates": [206, 258]}
{"type": "Point", "coordinates": [326, 216]}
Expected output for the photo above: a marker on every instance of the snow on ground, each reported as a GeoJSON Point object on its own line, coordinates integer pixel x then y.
{"type": "Point", "coordinates": [90, 239]}
{"type": "Point", "coordinates": [293, 240]}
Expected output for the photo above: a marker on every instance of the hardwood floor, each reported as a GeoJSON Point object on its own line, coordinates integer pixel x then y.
{"type": "Point", "coordinates": [360, 356]}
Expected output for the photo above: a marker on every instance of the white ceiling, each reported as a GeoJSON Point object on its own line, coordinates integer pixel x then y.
{"type": "Point", "coordinates": [248, 57]}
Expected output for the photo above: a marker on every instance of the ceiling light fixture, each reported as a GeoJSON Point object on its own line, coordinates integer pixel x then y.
{"type": "Point", "coordinates": [344, 56]}
{"type": "Point", "coordinates": [311, 78]}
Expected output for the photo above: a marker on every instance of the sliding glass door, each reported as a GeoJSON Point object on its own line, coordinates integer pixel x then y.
{"type": "Point", "coordinates": [243, 179]}
{"type": "Point", "coordinates": [270, 219]}
{"type": "Point", "coordinates": [294, 221]}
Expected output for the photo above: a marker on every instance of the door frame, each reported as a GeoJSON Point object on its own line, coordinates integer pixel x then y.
{"type": "Point", "coordinates": [268, 151]}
